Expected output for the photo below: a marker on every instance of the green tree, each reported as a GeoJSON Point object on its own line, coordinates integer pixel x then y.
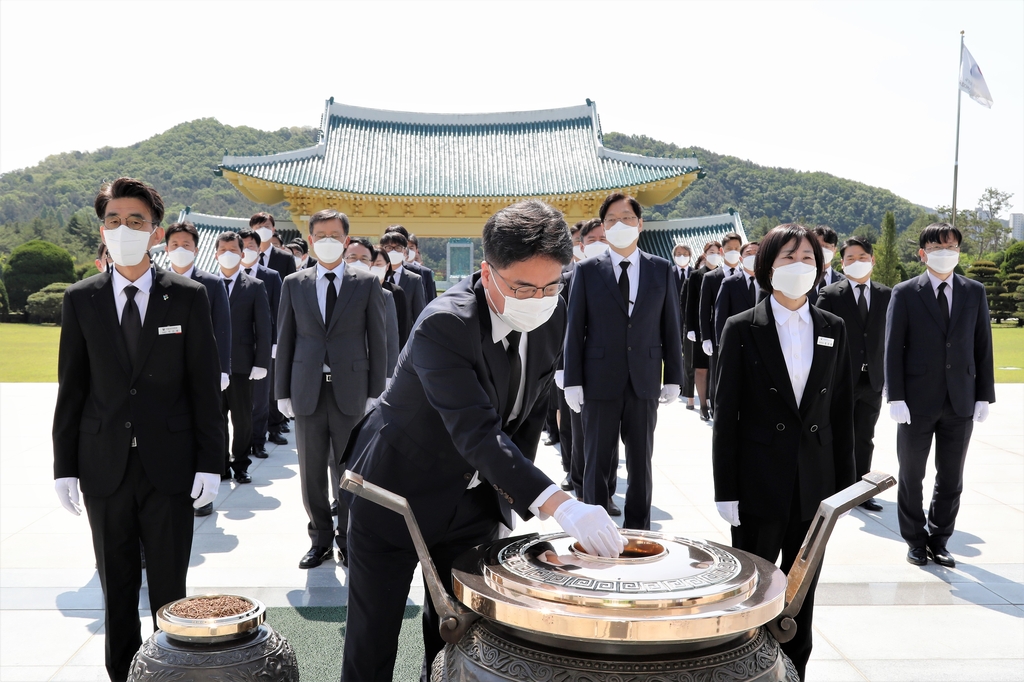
{"type": "Point", "coordinates": [868, 233]}
{"type": "Point", "coordinates": [5, 304]}
{"type": "Point", "coordinates": [32, 266]}
{"type": "Point", "coordinates": [887, 263]}
{"type": "Point", "coordinates": [45, 304]}
{"type": "Point", "coordinates": [1012, 257]}
{"type": "Point", "coordinates": [1018, 296]}
{"type": "Point", "coordinates": [1008, 299]}
{"type": "Point", "coordinates": [987, 273]}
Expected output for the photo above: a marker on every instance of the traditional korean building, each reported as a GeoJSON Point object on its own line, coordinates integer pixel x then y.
{"type": "Point", "coordinates": [661, 236]}
{"type": "Point", "coordinates": [443, 175]}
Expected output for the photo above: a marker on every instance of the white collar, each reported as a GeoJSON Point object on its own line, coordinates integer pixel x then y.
{"type": "Point", "coordinates": [143, 283]}
{"type": "Point", "coordinates": [935, 281]}
{"type": "Point", "coordinates": [782, 313]}
{"type": "Point", "coordinates": [633, 258]}
{"type": "Point", "coordinates": [499, 328]}
{"type": "Point", "coordinates": [233, 277]}
{"type": "Point", "coordinates": [338, 270]}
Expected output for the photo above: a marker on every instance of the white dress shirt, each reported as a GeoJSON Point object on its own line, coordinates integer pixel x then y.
{"type": "Point", "coordinates": [949, 288]}
{"type": "Point", "coordinates": [188, 273]}
{"type": "Point", "coordinates": [233, 279]}
{"type": "Point", "coordinates": [749, 277]}
{"type": "Point", "coordinates": [143, 284]}
{"type": "Point", "coordinates": [856, 292]}
{"type": "Point", "coordinates": [796, 336]}
{"type": "Point", "coordinates": [321, 292]}
{"type": "Point", "coordinates": [397, 272]}
{"type": "Point", "coordinates": [634, 273]}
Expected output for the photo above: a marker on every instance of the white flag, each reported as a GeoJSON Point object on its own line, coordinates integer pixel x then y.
{"type": "Point", "coordinates": [971, 80]}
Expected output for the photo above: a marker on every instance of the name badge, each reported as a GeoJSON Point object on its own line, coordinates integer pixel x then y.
{"type": "Point", "coordinates": [825, 341]}
{"type": "Point", "coordinates": [176, 329]}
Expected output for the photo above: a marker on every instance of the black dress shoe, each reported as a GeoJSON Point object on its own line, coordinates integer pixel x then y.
{"type": "Point", "coordinates": [871, 505]}
{"type": "Point", "coordinates": [566, 484]}
{"type": "Point", "coordinates": [284, 428]}
{"type": "Point", "coordinates": [691, 406]}
{"type": "Point", "coordinates": [277, 439]}
{"type": "Point", "coordinates": [917, 556]}
{"type": "Point", "coordinates": [315, 556]}
{"type": "Point", "coordinates": [942, 557]}
{"type": "Point", "coordinates": [260, 453]}
{"type": "Point", "coordinates": [334, 508]}
{"type": "Point", "coordinates": [225, 477]}
{"type": "Point", "coordinates": [613, 509]}
{"type": "Point", "coordinates": [343, 556]}
{"type": "Point", "coordinates": [243, 478]}
{"type": "Point", "coordinates": [205, 510]}
{"type": "Point", "coordinates": [550, 441]}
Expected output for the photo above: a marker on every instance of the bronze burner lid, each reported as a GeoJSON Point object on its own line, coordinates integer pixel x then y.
{"type": "Point", "coordinates": [210, 630]}
{"type": "Point", "coordinates": [663, 588]}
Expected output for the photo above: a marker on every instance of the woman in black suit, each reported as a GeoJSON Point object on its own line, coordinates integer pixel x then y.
{"type": "Point", "coordinates": [691, 324]}
{"type": "Point", "coordinates": [783, 429]}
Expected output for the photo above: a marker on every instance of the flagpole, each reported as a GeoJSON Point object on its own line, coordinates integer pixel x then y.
{"type": "Point", "coordinates": [956, 155]}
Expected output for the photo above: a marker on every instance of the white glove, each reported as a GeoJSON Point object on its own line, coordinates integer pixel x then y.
{"type": "Point", "coordinates": [67, 493]}
{"type": "Point", "coordinates": [730, 511]}
{"type": "Point", "coordinates": [284, 406]}
{"type": "Point", "coordinates": [369, 404]}
{"type": "Point", "coordinates": [669, 392]}
{"type": "Point", "coordinates": [574, 398]}
{"type": "Point", "coordinates": [591, 525]}
{"type": "Point", "coordinates": [225, 379]}
{"type": "Point", "coordinates": [560, 378]}
{"type": "Point", "coordinates": [273, 351]}
{"type": "Point", "coordinates": [691, 336]}
{"type": "Point", "coordinates": [205, 488]}
{"type": "Point", "coordinates": [257, 373]}
{"type": "Point", "coordinates": [707, 347]}
{"type": "Point", "coordinates": [900, 413]}
{"type": "Point", "coordinates": [981, 411]}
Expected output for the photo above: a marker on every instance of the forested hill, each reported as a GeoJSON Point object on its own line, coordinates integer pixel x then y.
{"type": "Point", "coordinates": [769, 195]}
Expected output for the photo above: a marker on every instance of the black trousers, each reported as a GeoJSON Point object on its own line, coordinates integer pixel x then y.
{"type": "Point", "coordinates": [688, 386]}
{"type": "Point", "coordinates": [137, 512]}
{"type": "Point", "coordinates": [261, 410]}
{"type": "Point", "coordinates": [236, 399]}
{"type": "Point", "coordinates": [767, 538]}
{"type": "Point", "coordinates": [867, 403]}
{"type": "Point", "coordinates": [634, 418]}
{"type": "Point", "coordinates": [952, 434]}
{"type": "Point", "coordinates": [276, 418]}
{"type": "Point", "coordinates": [379, 575]}
{"type": "Point", "coordinates": [565, 439]}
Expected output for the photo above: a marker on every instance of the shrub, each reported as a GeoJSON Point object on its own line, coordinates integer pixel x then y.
{"type": "Point", "coordinates": [32, 266]}
{"type": "Point", "coordinates": [45, 304]}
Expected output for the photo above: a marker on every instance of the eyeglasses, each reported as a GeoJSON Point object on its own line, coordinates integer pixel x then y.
{"type": "Point", "coordinates": [112, 222]}
{"type": "Point", "coordinates": [632, 221]}
{"type": "Point", "coordinates": [941, 247]}
{"type": "Point", "coordinates": [525, 292]}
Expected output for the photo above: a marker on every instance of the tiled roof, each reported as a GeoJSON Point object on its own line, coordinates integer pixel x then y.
{"type": "Point", "coordinates": [208, 227]}
{"type": "Point", "coordinates": [661, 236]}
{"type": "Point", "coordinates": [516, 154]}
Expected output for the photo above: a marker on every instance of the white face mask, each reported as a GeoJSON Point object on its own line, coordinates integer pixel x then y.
{"type": "Point", "coordinates": [328, 249]}
{"type": "Point", "coordinates": [621, 235]}
{"type": "Point", "coordinates": [748, 262]}
{"type": "Point", "coordinates": [127, 247]}
{"type": "Point", "coordinates": [359, 265]}
{"type": "Point", "coordinates": [827, 254]}
{"type": "Point", "coordinates": [794, 280]}
{"type": "Point", "coordinates": [858, 269]}
{"type": "Point", "coordinates": [578, 252]}
{"type": "Point", "coordinates": [249, 257]}
{"type": "Point", "coordinates": [595, 249]}
{"type": "Point", "coordinates": [229, 260]}
{"type": "Point", "coordinates": [681, 261]}
{"type": "Point", "coordinates": [525, 315]}
{"type": "Point", "coordinates": [379, 270]}
{"type": "Point", "coordinates": [395, 257]}
{"type": "Point", "coordinates": [410, 255]}
{"type": "Point", "coordinates": [713, 259]}
{"type": "Point", "coordinates": [265, 234]}
{"type": "Point", "coordinates": [732, 258]}
{"type": "Point", "coordinates": [299, 260]}
{"type": "Point", "coordinates": [942, 261]}
{"type": "Point", "coordinates": [181, 257]}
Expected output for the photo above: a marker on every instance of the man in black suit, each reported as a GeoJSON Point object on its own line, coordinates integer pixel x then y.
{"type": "Point", "coordinates": [137, 420]}
{"type": "Point", "coordinates": [393, 243]}
{"type": "Point", "coordinates": [829, 241]}
{"type": "Point", "coordinates": [332, 352]}
{"type": "Point", "coordinates": [681, 257]}
{"type": "Point", "coordinates": [940, 377]}
{"type": "Point", "coordinates": [456, 432]}
{"type": "Point", "coordinates": [711, 283]}
{"type": "Point", "coordinates": [414, 261]}
{"type": "Point", "coordinates": [250, 351]}
{"type": "Point", "coordinates": [738, 292]}
{"type": "Point", "coordinates": [261, 389]}
{"type": "Point", "coordinates": [622, 356]}
{"type": "Point", "coordinates": [862, 305]}
{"type": "Point", "coordinates": [300, 252]}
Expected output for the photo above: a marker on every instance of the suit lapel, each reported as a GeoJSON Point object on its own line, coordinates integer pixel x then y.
{"type": "Point", "coordinates": [820, 358]}
{"type": "Point", "coordinates": [766, 338]}
{"type": "Point", "coordinates": [103, 299]}
{"type": "Point", "coordinates": [604, 266]}
{"type": "Point", "coordinates": [156, 310]}
{"type": "Point", "coordinates": [876, 310]}
{"type": "Point", "coordinates": [308, 289]}
{"type": "Point", "coordinates": [494, 353]}
{"type": "Point", "coordinates": [348, 285]}
{"type": "Point", "coordinates": [924, 289]}
{"type": "Point", "coordinates": [646, 279]}
{"type": "Point", "coordinates": [848, 300]}
{"type": "Point", "coordinates": [958, 300]}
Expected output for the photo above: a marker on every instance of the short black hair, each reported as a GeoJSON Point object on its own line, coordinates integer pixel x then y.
{"type": "Point", "coordinates": [777, 239]}
{"type": "Point", "coordinates": [855, 241]}
{"type": "Point", "coordinates": [249, 233]}
{"type": "Point", "coordinates": [826, 233]}
{"type": "Point", "coordinates": [188, 228]}
{"type": "Point", "coordinates": [130, 188]}
{"type": "Point", "coordinates": [229, 236]}
{"type": "Point", "coordinates": [300, 244]}
{"type": "Point", "coordinates": [589, 226]}
{"type": "Point", "coordinates": [937, 233]}
{"type": "Point", "coordinates": [101, 252]}
{"type": "Point", "coordinates": [744, 247]}
{"type": "Point", "coordinates": [328, 214]}
{"type": "Point", "coordinates": [712, 243]}
{"type": "Point", "coordinates": [394, 238]}
{"type": "Point", "coordinates": [399, 229]}
{"type": "Point", "coordinates": [619, 196]}
{"type": "Point", "coordinates": [524, 230]}
{"type": "Point", "coordinates": [685, 246]}
{"type": "Point", "coordinates": [730, 237]}
{"type": "Point", "coordinates": [413, 240]}
{"type": "Point", "coordinates": [364, 242]}
{"type": "Point", "coordinates": [260, 218]}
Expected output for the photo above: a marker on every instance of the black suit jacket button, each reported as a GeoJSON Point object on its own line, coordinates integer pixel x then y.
{"type": "Point", "coordinates": [772, 390]}
{"type": "Point", "coordinates": [132, 392]}
{"type": "Point", "coordinates": [629, 326]}
{"type": "Point", "coordinates": [814, 427]}
{"type": "Point", "coordinates": [824, 391]}
{"type": "Point", "coordinates": [780, 427]}
{"type": "Point", "coordinates": [127, 425]}
{"type": "Point", "coordinates": [467, 476]}
{"type": "Point", "coordinates": [948, 345]}
{"type": "Point", "coordinates": [948, 366]}
{"type": "Point", "coordinates": [629, 347]}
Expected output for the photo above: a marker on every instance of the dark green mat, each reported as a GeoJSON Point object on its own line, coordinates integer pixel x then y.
{"type": "Point", "coordinates": [317, 633]}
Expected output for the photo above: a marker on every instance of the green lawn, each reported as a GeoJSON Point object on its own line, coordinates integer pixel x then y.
{"type": "Point", "coordinates": [28, 352]}
{"type": "Point", "coordinates": [1008, 349]}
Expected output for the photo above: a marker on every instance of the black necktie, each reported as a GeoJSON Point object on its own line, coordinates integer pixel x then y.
{"type": "Point", "coordinates": [227, 287]}
{"type": "Point", "coordinates": [753, 291]}
{"type": "Point", "coordinates": [332, 298]}
{"type": "Point", "coordinates": [862, 304]}
{"type": "Point", "coordinates": [263, 262]}
{"type": "Point", "coordinates": [248, 271]}
{"type": "Point", "coordinates": [131, 324]}
{"type": "Point", "coordinates": [732, 271]}
{"type": "Point", "coordinates": [515, 365]}
{"type": "Point", "coordinates": [624, 284]}
{"type": "Point", "coordinates": [944, 305]}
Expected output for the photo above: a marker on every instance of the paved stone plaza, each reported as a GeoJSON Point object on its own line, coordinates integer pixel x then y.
{"type": "Point", "coordinates": [877, 617]}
